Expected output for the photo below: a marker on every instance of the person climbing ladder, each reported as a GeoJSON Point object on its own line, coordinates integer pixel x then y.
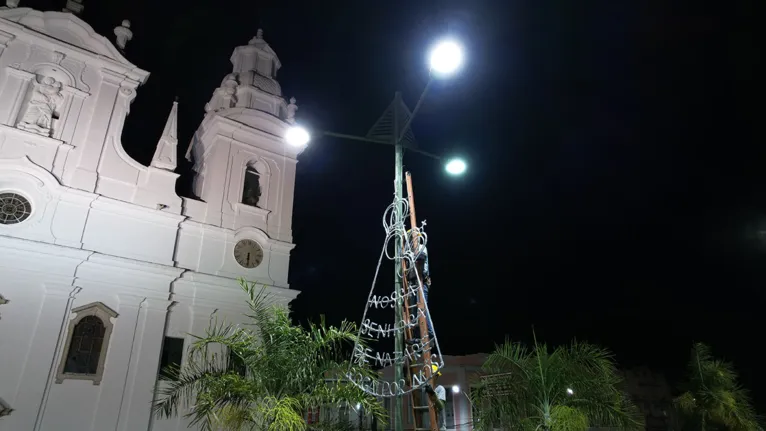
{"type": "Point", "coordinates": [438, 398]}
{"type": "Point", "coordinates": [420, 268]}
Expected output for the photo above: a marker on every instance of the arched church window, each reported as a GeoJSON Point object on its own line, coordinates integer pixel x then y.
{"type": "Point", "coordinates": [85, 348]}
{"type": "Point", "coordinates": [251, 192]}
{"type": "Point", "coordinates": [84, 354]}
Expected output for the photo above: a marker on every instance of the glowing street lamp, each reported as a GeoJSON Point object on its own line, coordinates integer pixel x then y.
{"type": "Point", "coordinates": [455, 389]}
{"type": "Point", "coordinates": [297, 136]}
{"type": "Point", "coordinates": [446, 57]}
{"type": "Point", "coordinates": [455, 167]}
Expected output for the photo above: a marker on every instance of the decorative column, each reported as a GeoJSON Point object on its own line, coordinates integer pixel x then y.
{"type": "Point", "coordinates": [105, 111]}
{"type": "Point", "coordinates": [5, 38]}
{"type": "Point", "coordinates": [15, 89]}
{"type": "Point", "coordinates": [135, 412]}
{"type": "Point", "coordinates": [120, 354]}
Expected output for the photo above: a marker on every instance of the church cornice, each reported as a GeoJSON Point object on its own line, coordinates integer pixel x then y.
{"type": "Point", "coordinates": [217, 124]}
{"type": "Point", "coordinates": [129, 209]}
{"type": "Point", "coordinates": [33, 27]}
{"type": "Point", "coordinates": [214, 289]}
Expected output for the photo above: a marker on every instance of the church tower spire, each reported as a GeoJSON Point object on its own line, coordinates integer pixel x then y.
{"type": "Point", "coordinates": [245, 171]}
{"type": "Point", "coordinates": [252, 83]}
{"type": "Point", "coordinates": [165, 156]}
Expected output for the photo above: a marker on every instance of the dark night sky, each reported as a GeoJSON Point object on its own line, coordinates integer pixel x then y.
{"type": "Point", "coordinates": [616, 187]}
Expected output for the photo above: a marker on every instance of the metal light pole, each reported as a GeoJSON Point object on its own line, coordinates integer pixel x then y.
{"type": "Point", "coordinates": [399, 193]}
{"type": "Point", "coordinates": [445, 58]}
{"type": "Point", "coordinates": [393, 134]}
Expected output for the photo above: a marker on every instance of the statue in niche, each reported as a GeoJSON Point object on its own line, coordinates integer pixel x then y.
{"type": "Point", "coordinates": [41, 109]}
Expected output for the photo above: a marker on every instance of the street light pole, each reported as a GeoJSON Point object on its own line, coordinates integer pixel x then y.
{"type": "Point", "coordinates": [399, 193]}
{"type": "Point", "coordinates": [445, 59]}
{"type": "Point", "coordinates": [395, 137]}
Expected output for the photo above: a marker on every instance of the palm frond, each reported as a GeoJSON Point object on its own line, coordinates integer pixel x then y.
{"type": "Point", "coordinates": [713, 395]}
{"type": "Point", "coordinates": [566, 387]}
{"type": "Point", "coordinates": [264, 375]}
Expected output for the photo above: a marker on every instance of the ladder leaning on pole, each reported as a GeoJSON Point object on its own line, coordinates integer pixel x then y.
{"type": "Point", "coordinates": [420, 402]}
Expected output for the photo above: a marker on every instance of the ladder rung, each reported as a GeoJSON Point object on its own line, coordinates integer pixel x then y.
{"type": "Point", "coordinates": [421, 407]}
{"type": "Point", "coordinates": [422, 429]}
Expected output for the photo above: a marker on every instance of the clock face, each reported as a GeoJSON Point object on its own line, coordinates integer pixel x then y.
{"type": "Point", "coordinates": [248, 253]}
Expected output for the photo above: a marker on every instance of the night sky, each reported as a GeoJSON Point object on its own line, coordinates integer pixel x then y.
{"type": "Point", "coordinates": [616, 183]}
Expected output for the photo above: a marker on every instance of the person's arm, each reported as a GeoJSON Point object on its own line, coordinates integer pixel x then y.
{"type": "Point", "coordinates": [439, 404]}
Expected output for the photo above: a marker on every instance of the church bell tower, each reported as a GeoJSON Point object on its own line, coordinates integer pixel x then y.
{"type": "Point", "coordinates": [245, 171]}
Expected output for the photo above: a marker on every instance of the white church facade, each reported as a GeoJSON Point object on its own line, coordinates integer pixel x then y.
{"type": "Point", "coordinates": [104, 270]}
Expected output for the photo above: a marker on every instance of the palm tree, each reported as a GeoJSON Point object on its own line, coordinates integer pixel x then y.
{"type": "Point", "coordinates": [713, 399]}
{"type": "Point", "coordinates": [272, 374]}
{"type": "Point", "coordinates": [567, 388]}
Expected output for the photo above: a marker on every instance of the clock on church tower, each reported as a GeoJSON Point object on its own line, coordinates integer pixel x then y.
{"type": "Point", "coordinates": [245, 172]}
{"type": "Point", "coordinates": [248, 253]}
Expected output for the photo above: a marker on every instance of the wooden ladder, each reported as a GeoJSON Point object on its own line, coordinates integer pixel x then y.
{"type": "Point", "coordinates": [420, 402]}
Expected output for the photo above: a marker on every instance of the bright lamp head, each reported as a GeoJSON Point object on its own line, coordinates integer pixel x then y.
{"type": "Point", "coordinates": [297, 136]}
{"type": "Point", "coordinates": [455, 167]}
{"type": "Point", "coordinates": [446, 57]}
{"type": "Point", "coordinates": [455, 389]}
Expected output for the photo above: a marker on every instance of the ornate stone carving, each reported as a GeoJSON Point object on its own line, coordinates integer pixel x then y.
{"type": "Point", "coordinates": [123, 33]}
{"type": "Point", "coordinates": [291, 108]}
{"type": "Point", "coordinates": [41, 109]}
{"type": "Point", "coordinates": [225, 95]}
{"type": "Point", "coordinates": [58, 57]}
{"type": "Point", "coordinates": [258, 37]}
{"type": "Point", "coordinates": [74, 6]}
{"type": "Point", "coordinates": [229, 84]}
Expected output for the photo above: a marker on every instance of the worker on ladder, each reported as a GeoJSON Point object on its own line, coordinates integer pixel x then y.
{"type": "Point", "coordinates": [421, 268]}
{"type": "Point", "coordinates": [438, 397]}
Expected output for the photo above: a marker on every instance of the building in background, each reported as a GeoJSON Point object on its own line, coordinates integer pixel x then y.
{"type": "Point", "coordinates": [104, 270]}
{"type": "Point", "coordinates": [652, 395]}
{"type": "Point", "coordinates": [458, 374]}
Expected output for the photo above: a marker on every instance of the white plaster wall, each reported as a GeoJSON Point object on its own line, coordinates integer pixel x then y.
{"type": "Point", "coordinates": [84, 150]}
{"type": "Point", "coordinates": [228, 141]}
{"type": "Point", "coordinates": [34, 322]}
{"type": "Point", "coordinates": [210, 250]}
{"type": "Point", "coordinates": [106, 229]}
